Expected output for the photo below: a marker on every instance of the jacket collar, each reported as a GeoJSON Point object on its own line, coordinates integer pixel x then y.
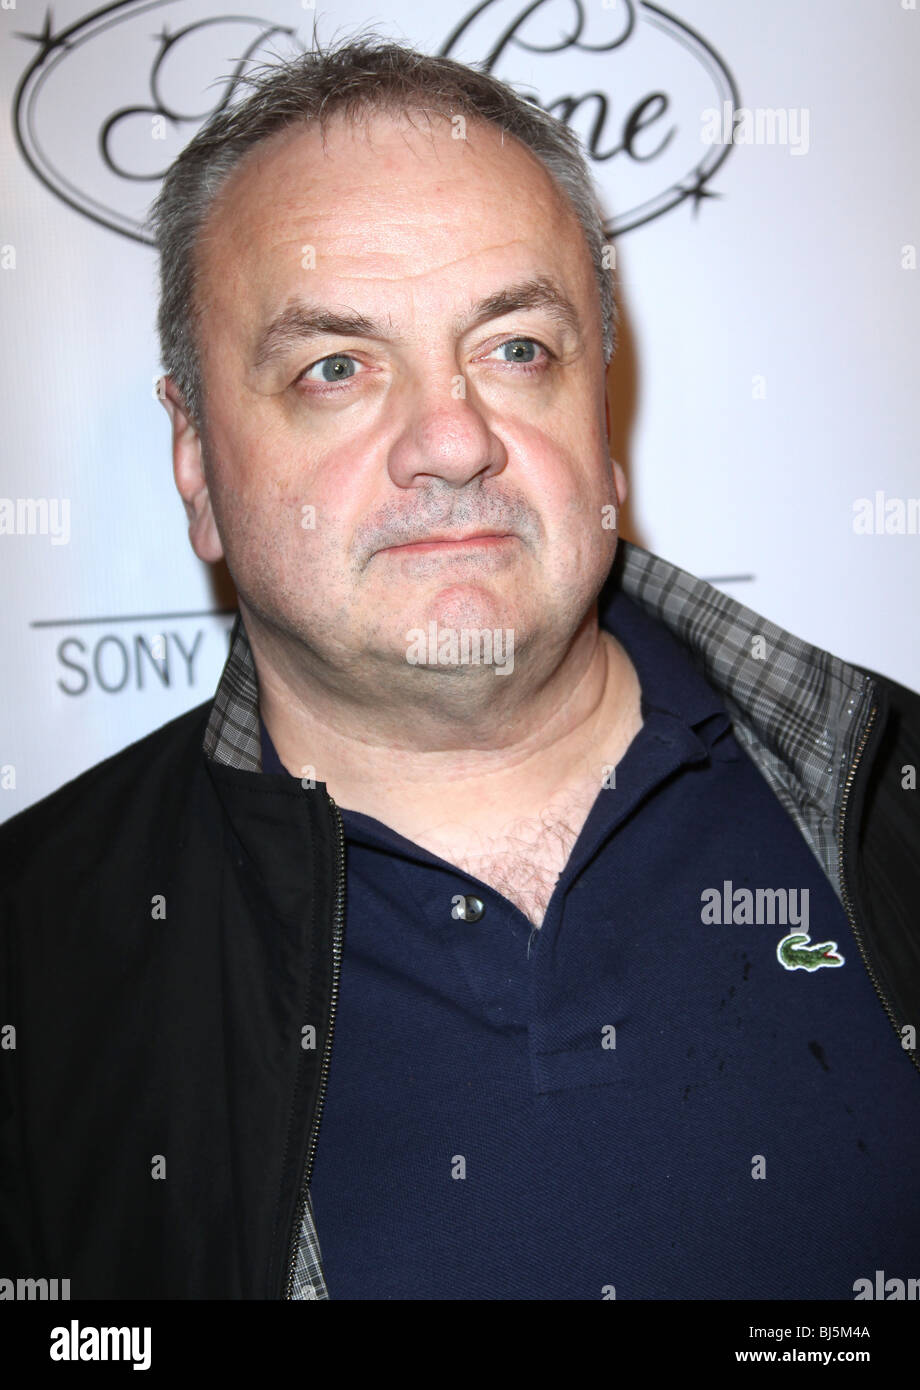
{"type": "Point", "coordinates": [797, 711]}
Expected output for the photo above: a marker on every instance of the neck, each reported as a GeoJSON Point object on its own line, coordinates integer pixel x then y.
{"type": "Point", "coordinates": [502, 746]}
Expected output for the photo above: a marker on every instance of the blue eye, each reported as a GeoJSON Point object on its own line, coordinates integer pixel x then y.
{"type": "Point", "coordinates": [338, 367]}
{"type": "Point", "coordinates": [520, 350]}
{"type": "Point", "coordinates": [527, 353]}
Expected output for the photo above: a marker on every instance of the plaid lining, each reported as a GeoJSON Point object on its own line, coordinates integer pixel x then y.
{"type": "Point", "coordinates": [798, 712]}
{"type": "Point", "coordinates": [308, 1273]}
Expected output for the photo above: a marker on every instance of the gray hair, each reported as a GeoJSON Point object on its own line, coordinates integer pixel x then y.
{"type": "Point", "coordinates": [362, 75]}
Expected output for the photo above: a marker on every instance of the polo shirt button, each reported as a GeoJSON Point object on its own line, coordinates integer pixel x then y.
{"type": "Point", "coordinates": [467, 909]}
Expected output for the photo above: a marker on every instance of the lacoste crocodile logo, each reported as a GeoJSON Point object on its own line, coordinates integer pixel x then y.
{"type": "Point", "coordinates": [795, 955]}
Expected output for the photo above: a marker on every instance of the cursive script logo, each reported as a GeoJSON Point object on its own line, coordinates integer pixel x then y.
{"type": "Point", "coordinates": [108, 101]}
{"type": "Point", "coordinates": [628, 77]}
{"type": "Point", "coordinates": [106, 104]}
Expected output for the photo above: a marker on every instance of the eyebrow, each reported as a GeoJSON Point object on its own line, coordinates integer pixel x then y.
{"type": "Point", "coordinates": [300, 321]}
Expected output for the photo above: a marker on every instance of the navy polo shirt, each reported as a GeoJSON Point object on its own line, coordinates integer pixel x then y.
{"type": "Point", "coordinates": [638, 1100]}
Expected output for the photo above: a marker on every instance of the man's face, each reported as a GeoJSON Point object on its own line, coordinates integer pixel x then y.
{"type": "Point", "coordinates": [441, 375]}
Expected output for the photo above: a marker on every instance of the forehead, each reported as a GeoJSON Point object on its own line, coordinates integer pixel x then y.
{"type": "Point", "coordinates": [391, 199]}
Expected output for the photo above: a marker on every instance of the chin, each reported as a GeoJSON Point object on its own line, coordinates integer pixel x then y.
{"type": "Point", "coordinates": [467, 605]}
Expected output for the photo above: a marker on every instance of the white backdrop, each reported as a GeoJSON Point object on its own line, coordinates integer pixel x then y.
{"type": "Point", "coordinates": [764, 385]}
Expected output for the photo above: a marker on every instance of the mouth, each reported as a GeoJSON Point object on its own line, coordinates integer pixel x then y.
{"type": "Point", "coordinates": [467, 542]}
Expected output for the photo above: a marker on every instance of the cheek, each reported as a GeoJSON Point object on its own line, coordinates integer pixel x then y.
{"type": "Point", "coordinates": [257, 489]}
{"type": "Point", "coordinates": [581, 502]}
{"type": "Point", "coordinates": [265, 526]}
{"type": "Point", "coordinates": [583, 538]}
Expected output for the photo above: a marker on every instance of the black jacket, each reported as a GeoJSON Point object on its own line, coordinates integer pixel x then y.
{"type": "Point", "coordinates": [173, 920]}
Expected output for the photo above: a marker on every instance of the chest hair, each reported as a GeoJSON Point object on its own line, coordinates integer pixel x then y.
{"type": "Point", "coordinates": [524, 863]}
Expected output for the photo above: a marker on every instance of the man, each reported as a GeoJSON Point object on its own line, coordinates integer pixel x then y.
{"type": "Point", "coordinates": [479, 939]}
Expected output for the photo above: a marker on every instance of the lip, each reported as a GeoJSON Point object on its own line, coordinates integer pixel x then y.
{"type": "Point", "coordinates": [476, 538]}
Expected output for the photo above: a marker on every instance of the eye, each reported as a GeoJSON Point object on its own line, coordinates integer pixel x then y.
{"type": "Point", "coordinates": [522, 352]}
{"type": "Point", "coordinates": [338, 367]}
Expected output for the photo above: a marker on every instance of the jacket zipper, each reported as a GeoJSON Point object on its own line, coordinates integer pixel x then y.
{"type": "Point", "coordinates": [337, 938]}
{"type": "Point", "coordinates": [844, 891]}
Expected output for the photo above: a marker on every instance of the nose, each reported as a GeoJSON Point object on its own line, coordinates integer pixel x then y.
{"type": "Point", "coordinates": [444, 435]}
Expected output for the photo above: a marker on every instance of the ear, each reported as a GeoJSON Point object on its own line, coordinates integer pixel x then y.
{"type": "Point", "coordinates": [619, 478]}
{"type": "Point", "coordinates": [188, 471]}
